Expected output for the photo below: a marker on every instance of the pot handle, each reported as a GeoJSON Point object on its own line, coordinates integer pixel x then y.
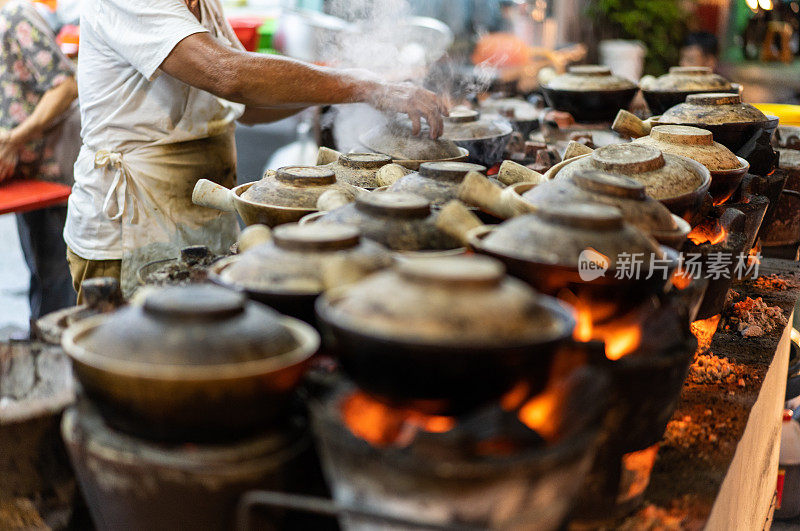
{"type": "Point", "coordinates": [326, 507]}
{"type": "Point", "coordinates": [254, 235]}
{"type": "Point", "coordinates": [327, 156]}
{"type": "Point", "coordinates": [456, 220]}
{"type": "Point", "coordinates": [333, 199]}
{"type": "Point", "coordinates": [512, 173]}
{"type": "Point", "coordinates": [576, 149]}
{"type": "Point", "coordinates": [212, 195]}
{"type": "Point", "coordinates": [478, 191]}
{"type": "Point", "coordinates": [627, 123]}
{"type": "Point", "coordinates": [390, 174]}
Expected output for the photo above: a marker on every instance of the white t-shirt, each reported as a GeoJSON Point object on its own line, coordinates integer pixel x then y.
{"type": "Point", "coordinates": [126, 101]}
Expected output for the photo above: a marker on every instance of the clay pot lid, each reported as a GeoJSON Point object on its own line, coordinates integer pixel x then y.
{"type": "Point", "coordinates": [694, 143]}
{"type": "Point", "coordinates": [316, 237]}
{"type": "Point", "coordinates": [462, 116]}
{"type": "Point", "coordinates": [559, 233]}
{"type": "Point", "coordinates": [364, 161]}
{"type": "Point", "coordinates": [582, 216]}
{"type": "Point", "coordinates": [663, 175]}
{"type": "Point", "coordinates": [476, 272]}
{"type": "Point", "coordinates": [394, 204]}
{"type": "Point", "coordinates": [466, 124]}
{"type": "Point", "coordinates": [395, 139]}
{"type": "Point", "coordinates": [190, 326]}
{"type": "Point", "coordinates": [449, 171]}
{"type": "Point", "coordinates": [609, 184]}
{"type": "Point", "coordinates": [688, 78]}
{"type": "Point", "coordinates": [628, 158]}
{"type": "Point", "coordinates": [621, 192]}
{"type": "Point", "coordinates": [306, 175]}
{"type": "Point", "coordinates": [589, 78]}
{"type": "Point", "coordinates": [715, 108]}
{"type": "Point", "coordinates": [515, 108]}
{"type": "Point", "coordinates": [457, 300]}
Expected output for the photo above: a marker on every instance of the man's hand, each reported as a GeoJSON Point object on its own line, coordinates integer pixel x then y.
{"type": "Point", "coordinates": [9, 155]}
{"type": "Point", "coordinates": [414, 101]}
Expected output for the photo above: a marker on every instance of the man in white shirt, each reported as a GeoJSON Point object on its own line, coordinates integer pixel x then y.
{"type": "Point", "coordinates": [161, 83]}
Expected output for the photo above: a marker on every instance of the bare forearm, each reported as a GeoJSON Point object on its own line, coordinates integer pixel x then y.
{"type": "Point", "coordinates": [279, 82]}
{"type": "Point", "coordinates": [260, 115]}
{"type": "Point", "coordinates": [52, 104]}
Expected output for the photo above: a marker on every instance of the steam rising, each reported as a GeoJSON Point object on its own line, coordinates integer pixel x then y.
{"type": "Point", "coordinates": [384, 45]}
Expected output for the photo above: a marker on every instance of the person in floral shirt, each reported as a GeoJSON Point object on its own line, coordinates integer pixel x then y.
{"type": "Point", "coordinates": [37, 90]}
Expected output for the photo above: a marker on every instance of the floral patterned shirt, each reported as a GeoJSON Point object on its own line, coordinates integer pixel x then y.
{"type": "Point", "coordinates": [31, 64]}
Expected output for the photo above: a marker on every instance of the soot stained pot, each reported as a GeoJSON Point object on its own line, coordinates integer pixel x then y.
{"type": "Point", "coordinates": [680, 183]}
{"type": "Point", "coordinates": [444, 334]}
{"type": "Point", "coordinates": [283, 196]}
{"type": "Point", "coordinates": [191, 363]}
{"type": "Point", "coordinates": [100, 295]}
{"type": "Point", "coordinates": [624, 193]}
{"type": "Point", "coordinates": [437, 182]}
{"type": "Point", "coordinates": [672, 89]}
{"type": "Point", "coordinates": [524, 116]}
{"type": "Point", "coordinates": [589, 93]}
{"type": "Point", "coordinates": [485, 138]}
{"type": "Point", "coordinates": [727, 170]}
{"type": "Point", "coordinates": [400, 221]}
{"type": "Point", "coordinates": [289, 270]}
{"type": "Point", "coordinates": [359, 169]}
{"type": "Point", "coordinates": [395, 139]}
{"type": "Point", "coordinates": [549, 247]}
{"type": "Point", "coordinates": [191, 267]}
{"type": "Point", "coordinates": [734, 124]}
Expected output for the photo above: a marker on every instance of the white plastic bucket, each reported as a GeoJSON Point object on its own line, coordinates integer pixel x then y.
{"type": "Point", "coordinates": [624, 58]}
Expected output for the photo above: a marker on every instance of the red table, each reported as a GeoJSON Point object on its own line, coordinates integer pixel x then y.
{"type": "Point", "coordinates": [30, 194]}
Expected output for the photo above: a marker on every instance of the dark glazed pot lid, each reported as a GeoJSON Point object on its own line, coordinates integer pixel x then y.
{"type": "Point", "coordinates": [191, 325]}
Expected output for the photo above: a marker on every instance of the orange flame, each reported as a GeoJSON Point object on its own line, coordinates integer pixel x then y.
{"type": "Point", "coordinates": [621, 337]}
{"type": "Point", "coordinates": [636, 468]}
{"type": "Point", "coordinates": [704, 331]}
{"type": "Point", "coordinates": [540, 414]}
{"type": "Point", "coordinates": [382, 425]}
{"type": "Point", "coordinates": [710, 231]}
{"type": "Point", "coordinates": [680, 279]}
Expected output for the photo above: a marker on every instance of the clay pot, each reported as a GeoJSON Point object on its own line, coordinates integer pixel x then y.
{"type": "Point", "coordinates": [191, 363]}
{"type": "Point", "coordinates": [589, 93]}
{"type": "Point", "coordinates": [680, 183]}
{"type": "Point", "coordinates": [400, 221]}
{"type": "Point", "coordinates": [672, 89]}
{"type": "Point", "coordinates": [193, 263]}
{"type": "Point", "coordinates": [548, 247]}
{"type": "Point", "coordinates": [395, 139]}
{"type": "Point", "coordinates": [740, 127]}
{"type": "Point", "coordinates": [485, 139]}
{"type": "Point", "coordinates": [290, 267]}
{"type": "Point", "coordinates": [282, 196]}
{"type": "Point", "coordinates": [100, 295]}
{"type": "Point", "coordinates": [624, 193]}
{"type": "Point", "coordinates": [444, 334]}
{"type": "Point", "coordinates": [359, 169]}
{"type": "Point", "coordinates": [727, 170]}
{"type": "Point", "coordinates": [524, 116]}
{"type": "Point", "coordinates": [436, 181]}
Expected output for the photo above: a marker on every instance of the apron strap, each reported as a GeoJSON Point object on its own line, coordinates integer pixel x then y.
{"type": "Point", "coordinates": [116, 199]}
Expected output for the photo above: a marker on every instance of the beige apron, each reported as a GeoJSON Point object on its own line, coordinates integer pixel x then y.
{"type": "Point", "coordinates": [151, 194]}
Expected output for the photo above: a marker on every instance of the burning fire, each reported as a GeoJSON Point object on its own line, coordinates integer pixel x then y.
{"type": "Point", "coordinates": [704, 331]}
{"type": "Point", "coordinates": [622, 337]}
{"type": "Point", "coordinates": [541, 413]}
{"type": "Point", "coordinates": [710, 231]}
{"type": "Point", "coordinates": [636, 468]}
{"type": "Point", "coordinates": [382, 425]}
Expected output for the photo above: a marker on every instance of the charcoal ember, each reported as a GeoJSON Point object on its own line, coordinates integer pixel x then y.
{"type": "Point", "coordinates": [532, 148]}
{"type": "Point", "coordinates": [709, 369]}
{"type": "Point", "coordinates": [754, 317]}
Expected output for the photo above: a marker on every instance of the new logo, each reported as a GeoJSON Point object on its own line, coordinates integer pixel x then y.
{"type": "Point", "coordinates": [592, 265]}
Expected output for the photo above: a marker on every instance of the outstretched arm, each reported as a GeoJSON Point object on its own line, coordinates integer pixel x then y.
{"type": "Point", "coordinates": [274, 81]}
